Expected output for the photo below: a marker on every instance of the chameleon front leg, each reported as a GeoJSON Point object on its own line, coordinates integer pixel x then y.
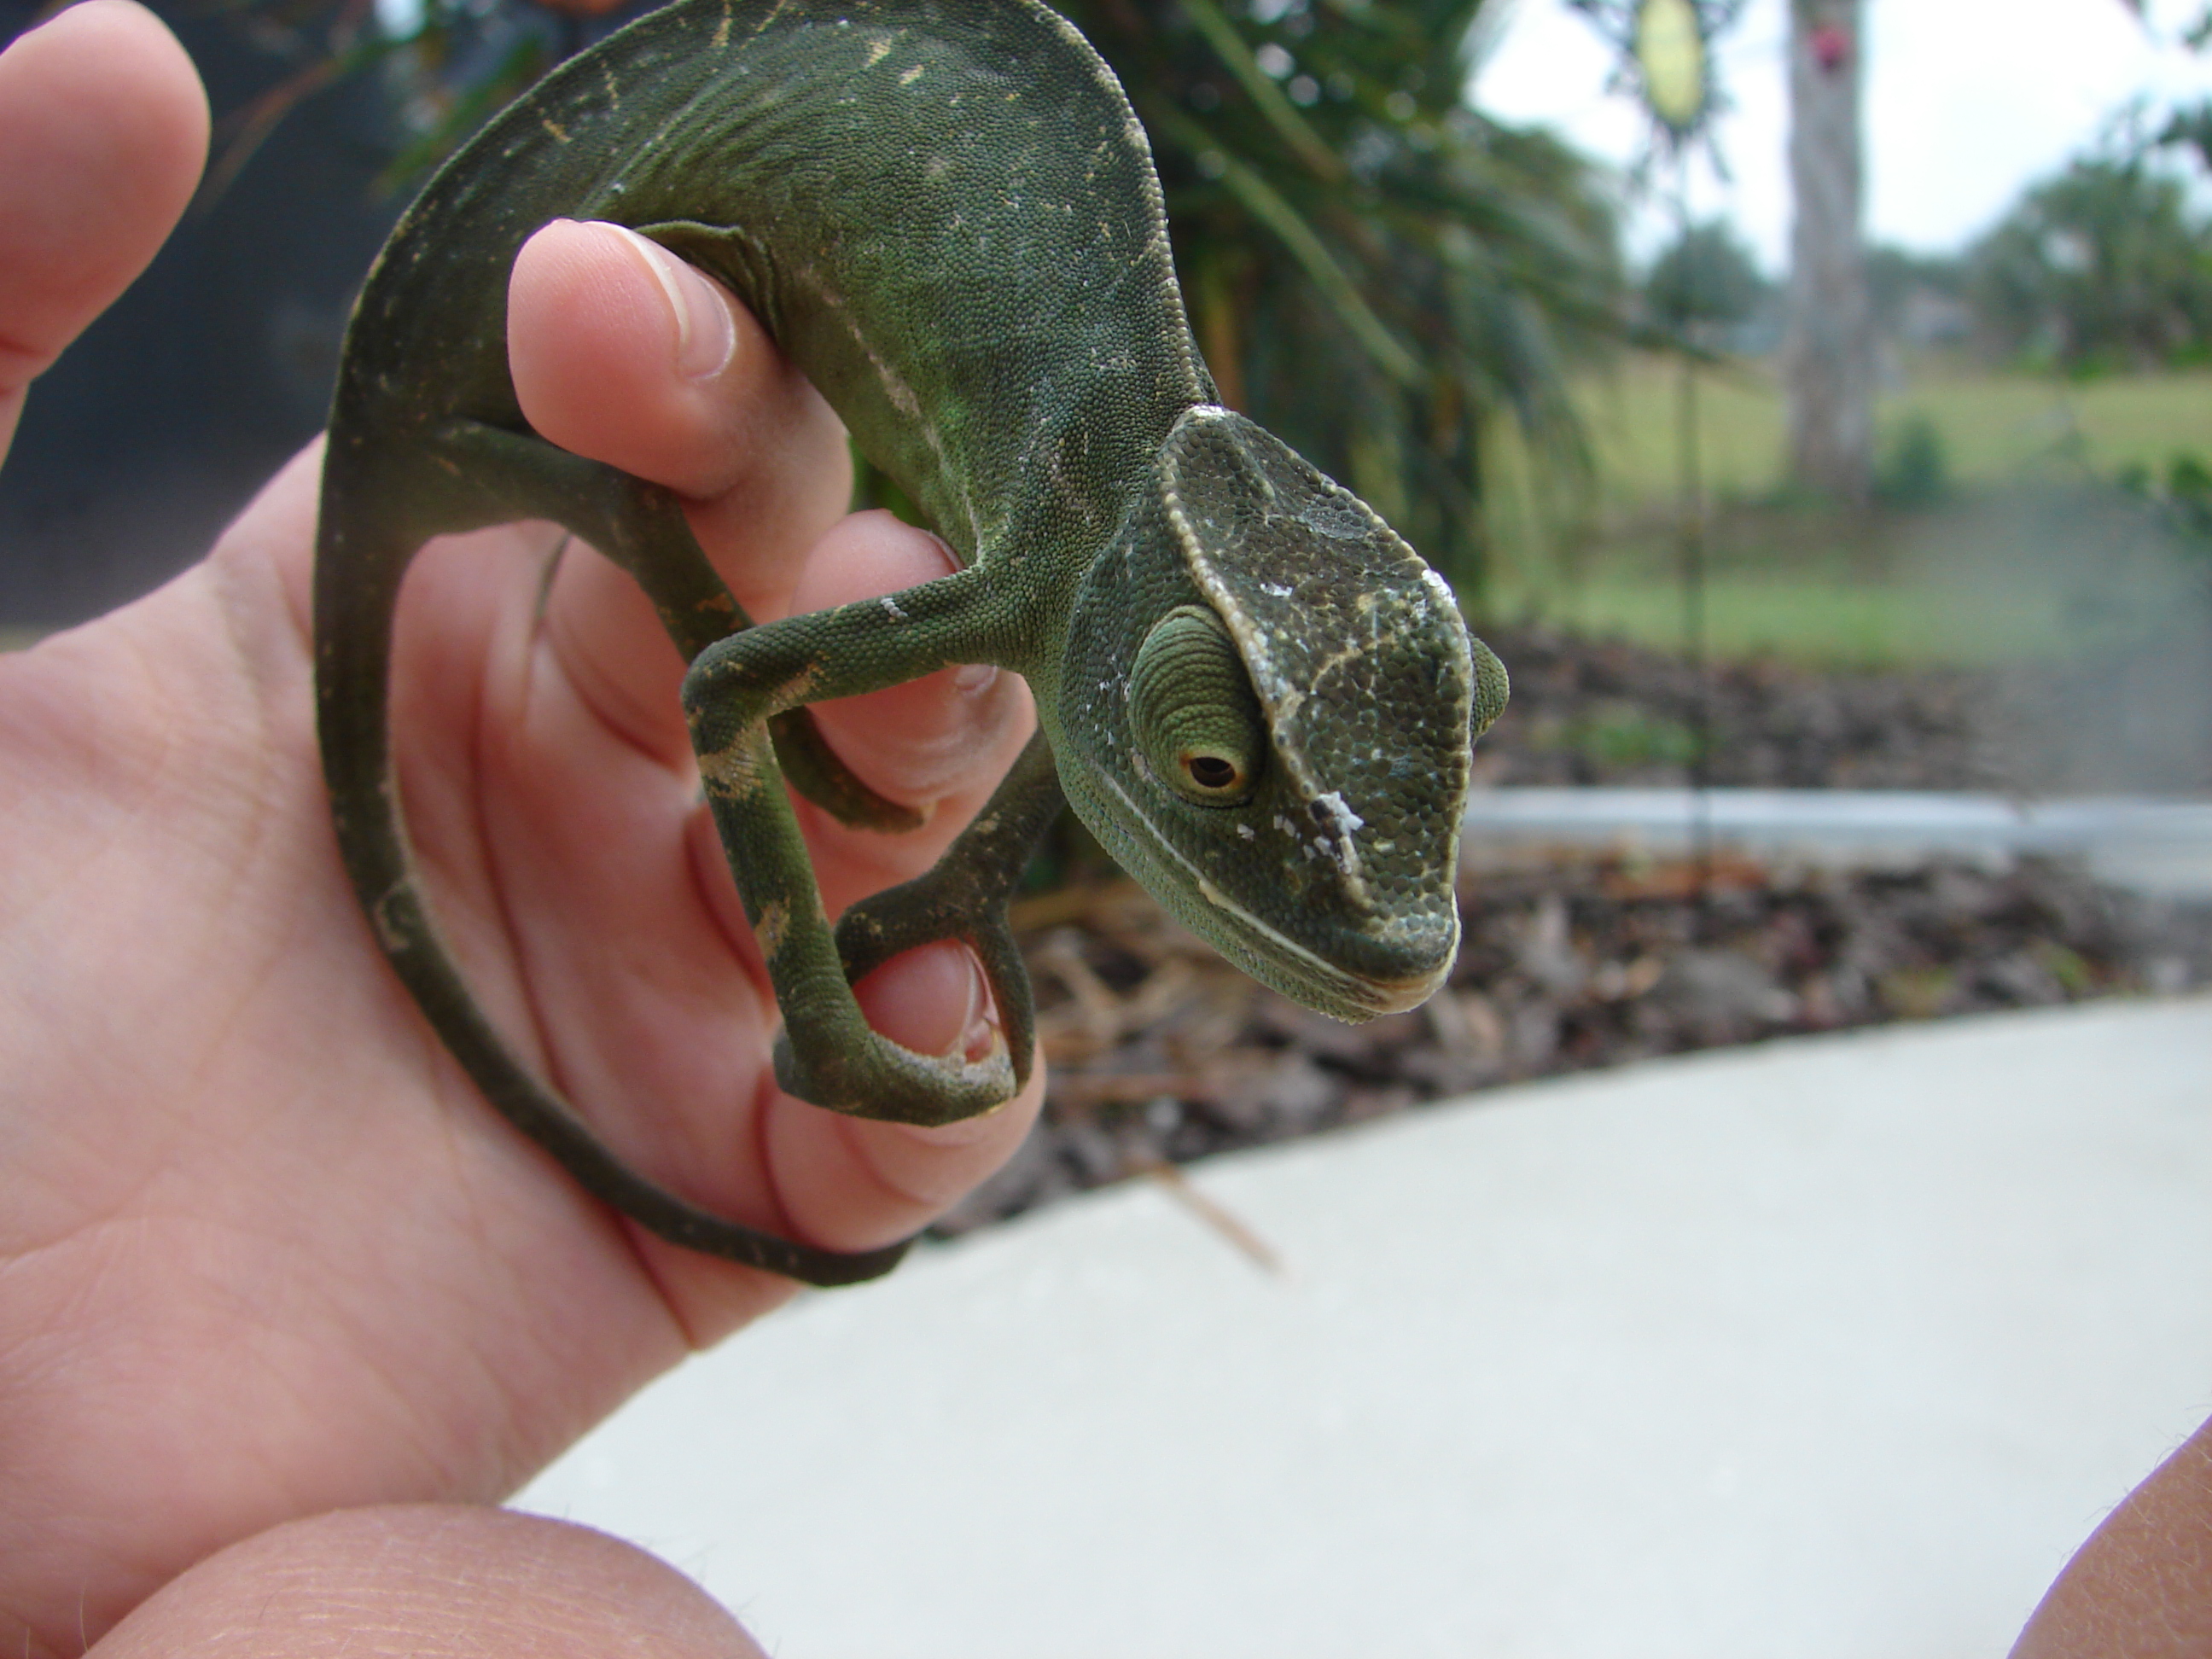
{"type": "Point", "coordinates": [641, 527]}
{"type": "Point", "coordinates": [963, 896]}
{"type": "Point", "coordinates": [830, 1055]}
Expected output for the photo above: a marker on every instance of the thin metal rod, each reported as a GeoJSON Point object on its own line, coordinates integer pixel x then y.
{"type": "Point", "coordinates": [1690, 560]}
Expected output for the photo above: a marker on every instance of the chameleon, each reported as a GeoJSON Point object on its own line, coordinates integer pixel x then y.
{"type": "Point", "coordinates": [1252, 691]}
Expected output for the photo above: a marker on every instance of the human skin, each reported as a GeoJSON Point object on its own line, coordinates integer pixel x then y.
{"type": "Point", "coordinates": [2142, 1587]}
{"type": "Point", "coordinates": [283, 1306]}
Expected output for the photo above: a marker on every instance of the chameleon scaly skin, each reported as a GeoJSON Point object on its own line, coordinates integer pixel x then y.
{"type": "Point", "coordinates": [1252, 691]}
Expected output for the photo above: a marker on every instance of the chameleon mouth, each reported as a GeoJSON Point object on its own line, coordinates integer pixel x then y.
{"type": "Point", "coordinates": [1276, 959]}
{"type": "Point", "coordinates": [1306, 976]}
{"type": "Point", "coordinates": [1283, 964]}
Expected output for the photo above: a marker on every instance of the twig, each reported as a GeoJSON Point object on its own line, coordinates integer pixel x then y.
{"type": "Point", "coordinates": [1255, 1248]}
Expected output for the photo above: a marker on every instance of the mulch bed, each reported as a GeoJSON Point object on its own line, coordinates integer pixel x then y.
{"type": "Point", "coordinates": [1160, 1054]}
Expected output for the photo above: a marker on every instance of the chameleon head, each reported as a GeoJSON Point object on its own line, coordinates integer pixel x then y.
{"type": "Point", "coordinates": [1270, 704]}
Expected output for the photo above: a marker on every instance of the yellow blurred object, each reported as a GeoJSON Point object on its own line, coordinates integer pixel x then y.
{"type": "Point", "coordinates": [1670, 50]}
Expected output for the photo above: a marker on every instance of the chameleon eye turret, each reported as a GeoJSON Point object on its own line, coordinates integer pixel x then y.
{"type": "Point", "coordinates": [1491, 687]}
{"type": "Point", "coordinates": [946, 215]}
{"type": "Point", "coordinates": [1197, 725]}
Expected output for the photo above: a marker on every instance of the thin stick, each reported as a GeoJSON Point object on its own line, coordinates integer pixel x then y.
{"type": "Point", "coordinates": [1256, 1250]}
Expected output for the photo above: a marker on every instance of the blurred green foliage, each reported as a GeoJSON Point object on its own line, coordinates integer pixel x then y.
{"type": "Point", "coordinates": [1621, 735]}
{"type": "Point", "coordinates": [2107, 265]}
{"type": "Point", "coordinates": [1915, 467]}
{"type": "Point", "coordinates": [1703, 287]}
{"type": "Point", "coordinates": [1374, 269]}
{"type": "Point", "coordinates": [2182, 495]}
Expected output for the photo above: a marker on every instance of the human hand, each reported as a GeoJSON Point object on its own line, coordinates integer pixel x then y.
{"type": "Point", "coordinates": [264, 1254]}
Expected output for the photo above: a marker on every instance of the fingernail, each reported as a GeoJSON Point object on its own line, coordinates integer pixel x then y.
{"type": "Point", "coordinates": [705, 335]}
{"type": "Point", "coordinates": [979, 1026]}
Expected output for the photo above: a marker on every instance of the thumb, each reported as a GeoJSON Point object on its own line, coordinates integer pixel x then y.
{"type": "Point", "coordinates": [103, 131]}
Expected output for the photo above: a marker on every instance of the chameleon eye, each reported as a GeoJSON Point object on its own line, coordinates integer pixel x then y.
{"type": "Point", "coordinates": [1192, 708]}
{"type": "Point", "coordinates": [1490, 687]}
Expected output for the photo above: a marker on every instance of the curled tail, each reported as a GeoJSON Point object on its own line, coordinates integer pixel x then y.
{"type": "Point", "coordinates": [363, 549]}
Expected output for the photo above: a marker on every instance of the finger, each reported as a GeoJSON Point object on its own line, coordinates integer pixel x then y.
{"type": "Point", "coordinates": [103, 131]}
{"type": "Point", "coordinates": [849, 1183]}
{"type": "Point", "coordinates": [625, 353]}
{"type": "Point", "coordinates": [429, 1581]}
{"type": "Point", "coordinates": [939, 743]}
{"type": "Point", "coordinates": [935, 1001]}
{"type": "Point", "coordinates": [2142, 1582]}
{"type": "Point", "coordinates": [617, 355]}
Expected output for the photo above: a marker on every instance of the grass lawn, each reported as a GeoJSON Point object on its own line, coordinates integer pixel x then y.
{"type": "Point", "coordinates": [2026, 555]}
{"type": "Point", "coordinates": [1997, 428]}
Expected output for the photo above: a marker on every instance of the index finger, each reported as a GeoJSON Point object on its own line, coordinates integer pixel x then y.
{"type": "Point", "coordinates": [623, 352]}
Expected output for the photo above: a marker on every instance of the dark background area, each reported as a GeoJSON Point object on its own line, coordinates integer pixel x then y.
{"type": "Point", "coordinates": [157, 425]}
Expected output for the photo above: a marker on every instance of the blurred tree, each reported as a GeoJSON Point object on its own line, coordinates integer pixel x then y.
{"type": "Point", "coordinates": [2104, 265]}
{"type": "Point", "coordinates": [2190, 126]}
{"type": "Point", "coordinates": [1704, 283]}
{"type": "Point", "coordinates": [1918, 299]}
{"type": "Point", "coordinates": [1828, 350]}
{"type": "Point", "coordinates": [1376, 271]}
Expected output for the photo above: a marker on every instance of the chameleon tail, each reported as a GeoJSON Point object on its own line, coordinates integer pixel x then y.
{"type": "Point", "coordinates": [362, 555]}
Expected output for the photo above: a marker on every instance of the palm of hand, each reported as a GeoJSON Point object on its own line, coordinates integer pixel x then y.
{"type": "Point", "coordinates": [264, 1252]}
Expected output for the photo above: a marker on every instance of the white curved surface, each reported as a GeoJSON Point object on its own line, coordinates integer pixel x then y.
{"type": "Point", "coordinates": [1831, 1347]}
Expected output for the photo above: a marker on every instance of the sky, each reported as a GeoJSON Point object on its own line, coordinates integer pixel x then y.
{"type": "Point", "coordinates": [1966, 102]}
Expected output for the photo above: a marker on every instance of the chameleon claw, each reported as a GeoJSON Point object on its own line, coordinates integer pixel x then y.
{"type": "Point", "coordinates": [882, 1080]}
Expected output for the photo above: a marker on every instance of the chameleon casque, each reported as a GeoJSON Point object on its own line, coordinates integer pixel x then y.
{"type": "Point", "coordinates": [1254, 694]}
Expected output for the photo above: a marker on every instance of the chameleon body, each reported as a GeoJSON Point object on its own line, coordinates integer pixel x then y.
{"type": "Point", "coordinates": [1253, 692]}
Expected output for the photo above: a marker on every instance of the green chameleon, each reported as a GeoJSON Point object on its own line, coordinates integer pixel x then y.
{"type": "Point", "coordinates": [1254, 694]}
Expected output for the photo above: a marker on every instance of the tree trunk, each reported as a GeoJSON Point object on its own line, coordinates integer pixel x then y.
{"type": "Point", "coordinates": [1828, 355]}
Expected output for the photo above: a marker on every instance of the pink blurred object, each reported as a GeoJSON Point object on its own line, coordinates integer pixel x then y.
{"type": "Point", "coordinates": [1831, 47]}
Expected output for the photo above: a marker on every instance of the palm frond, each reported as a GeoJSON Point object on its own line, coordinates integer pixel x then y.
{"type": "Point", "coordinates": [1378, 313]}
